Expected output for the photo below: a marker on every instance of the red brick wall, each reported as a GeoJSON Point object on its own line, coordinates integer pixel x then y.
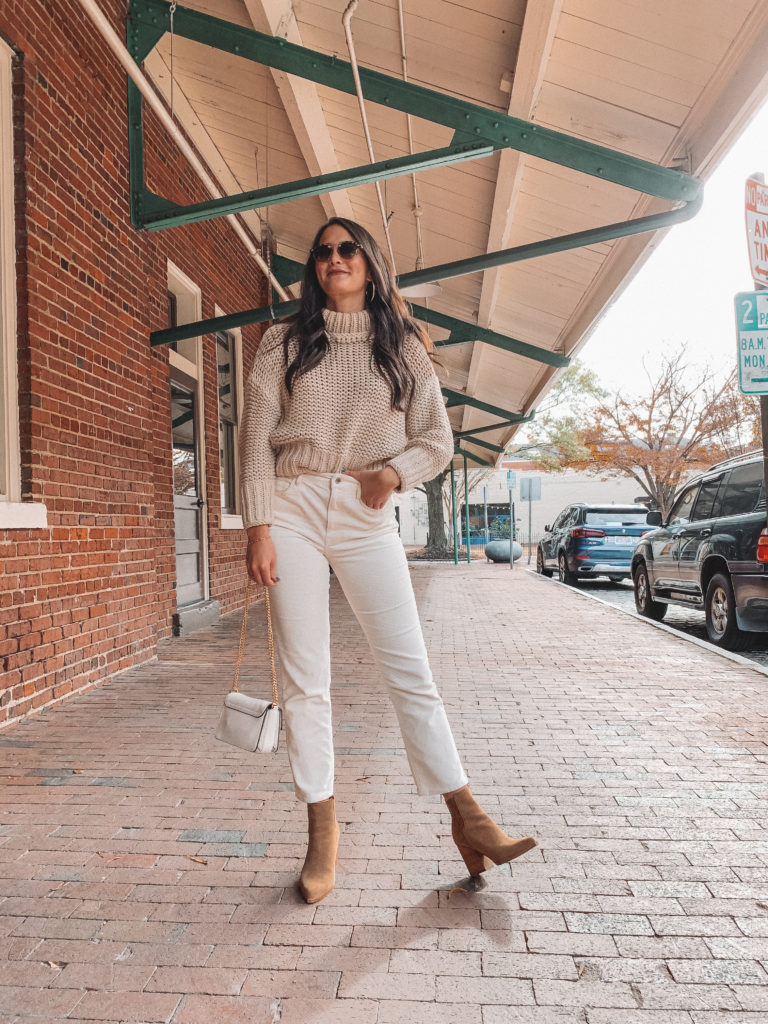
{"type": "Point", "coordinates": [92, 594]}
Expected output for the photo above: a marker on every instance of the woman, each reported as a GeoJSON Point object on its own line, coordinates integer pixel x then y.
{"type": "Point", "coordinates": [342, 408]}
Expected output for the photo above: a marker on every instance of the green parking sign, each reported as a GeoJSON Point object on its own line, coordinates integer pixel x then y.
{"type": "Point", "coordinates": [752, 338]}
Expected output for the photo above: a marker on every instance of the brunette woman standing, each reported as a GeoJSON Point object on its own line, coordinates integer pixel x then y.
{"type": "Point", "coordinates": [342, 408]}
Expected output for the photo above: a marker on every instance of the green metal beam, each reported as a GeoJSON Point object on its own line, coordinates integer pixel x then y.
{"type": "Point", "coordinates": [469, 455]}
{"type": "Point", "coordinates": [462, 332]}
{"type": "Point", "coordinates": [483, 444]}
{"type": "Point", "coordinates": [168, 214]}
{"type": "Point", "coordinates": [455, 398]}
{"type": "Point", "coordinates": [223, 323]}
{"type": "Point", "coordinates": [469, 119]}
{"type": "Point", "coordinates": [546, 247]}
{"type": "Point", "coordinates": [492, 426]}
{"type": "Point", "coordinates": [549, 246]}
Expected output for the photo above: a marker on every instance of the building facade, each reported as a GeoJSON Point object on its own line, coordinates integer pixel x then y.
{"type": "Point", "coordinates": [118, 487]}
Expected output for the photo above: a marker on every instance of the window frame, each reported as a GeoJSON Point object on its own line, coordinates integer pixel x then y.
{"type": "Point", "coordinates": [227, 339]}
{"type": "Point", "coordinates": [14, 513]}
{"type": "Point", "coordinates": [691, 488]}
{"type": "Point", "coordinates": [229, 520]}
{"type": "Point", "coordinates": [717, 499]}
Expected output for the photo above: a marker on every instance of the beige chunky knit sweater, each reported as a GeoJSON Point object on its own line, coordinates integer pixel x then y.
{"type": "Point", "coordinates": [339, 416]}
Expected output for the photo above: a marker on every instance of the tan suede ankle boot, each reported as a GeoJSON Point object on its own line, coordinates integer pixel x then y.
{"type": "Point", "coordinates": [480, 841]}
{"type": "Point", "coordinates": [318, 876]}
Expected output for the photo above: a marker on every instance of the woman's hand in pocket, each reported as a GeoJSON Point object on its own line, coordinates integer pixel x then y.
{"type": "Point", "coordinates": [376, 485]}
{"type": "Point", "coordinates": [261, 558]}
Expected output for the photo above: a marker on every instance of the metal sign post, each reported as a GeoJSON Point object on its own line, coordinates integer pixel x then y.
{"type": "Point", "coordinates": [530, 489]}
{"type": "Point", "coordinates": [511, 531]}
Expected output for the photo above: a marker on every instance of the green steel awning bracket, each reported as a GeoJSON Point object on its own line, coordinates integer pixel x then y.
{"type": "Point", "coordinates": [288, 272]}
{"type": "Point", "coordinates": [149, 20]}
{"type": "Point", "coordinates": [453, 398]}
{"type": "Point", "coordinates": [549, 246]}
{"type": "Point", "coordinates": [475, 458]}
{"type": "Point", "coordinates": [484, 444]}
{"type": "Point", "coordinates": [167, 215]}
{"type": "Point", "coordinates": [546, 247]}
{"type": "Point", "coordinates": [491, 426]}
{"type": "Point", "coordinates": [463, 331]}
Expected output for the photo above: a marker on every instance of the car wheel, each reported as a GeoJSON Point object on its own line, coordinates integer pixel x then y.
{"type": "Point", "coordinates": [540, 568]}
{"type": "Point", "coordinates": [720, 612]}
{"type": "Point", "coordinates": [644, 602]}
{"type": "Point", "coordinates": [616, 579]}
{"type": "Point", "coordinates": [564, 574]}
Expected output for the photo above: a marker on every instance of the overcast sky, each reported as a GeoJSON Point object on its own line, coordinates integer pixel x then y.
{"type": "Point", "coordinates": [685, 291]}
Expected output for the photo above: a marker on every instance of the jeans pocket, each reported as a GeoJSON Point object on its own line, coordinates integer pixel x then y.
{"type": "Point", "coordinates": [359, 501]}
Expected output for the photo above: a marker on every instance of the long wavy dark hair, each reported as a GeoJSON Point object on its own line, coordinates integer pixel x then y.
{"type": "Point", "coordinates": [391, 321]}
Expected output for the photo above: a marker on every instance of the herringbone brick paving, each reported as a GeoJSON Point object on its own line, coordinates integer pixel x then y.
{"type": "Point", "coordinates": [148, 873]}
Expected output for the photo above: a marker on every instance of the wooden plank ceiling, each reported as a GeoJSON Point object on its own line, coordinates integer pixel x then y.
{"type": "Point", "coordinates": [672, 83]}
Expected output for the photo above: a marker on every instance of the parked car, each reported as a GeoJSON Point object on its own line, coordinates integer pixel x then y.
{"type": "Point", "coordinates": [592, 540]}
{"type": "Point", "coordinates": [711, 553]}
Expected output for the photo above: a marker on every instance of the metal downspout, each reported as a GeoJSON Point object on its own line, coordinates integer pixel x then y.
{"type": "Point", "coordinates": [346, 20]}
{"type": "Point", "coordinates": [115, 44]}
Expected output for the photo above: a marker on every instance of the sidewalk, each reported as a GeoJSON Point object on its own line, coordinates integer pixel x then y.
{"type": "Point", "coordinates": [148, 873]}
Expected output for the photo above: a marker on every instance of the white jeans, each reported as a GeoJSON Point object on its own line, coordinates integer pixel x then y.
{"type": "Point", "coordinates": [320, 519]}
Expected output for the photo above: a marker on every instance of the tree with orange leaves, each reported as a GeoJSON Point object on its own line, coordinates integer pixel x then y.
{"type": "Point", "coordinates": [682, 425]}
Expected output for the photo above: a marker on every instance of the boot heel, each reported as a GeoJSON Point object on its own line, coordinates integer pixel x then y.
{"type": "Point", "coordinates": [475, 861]}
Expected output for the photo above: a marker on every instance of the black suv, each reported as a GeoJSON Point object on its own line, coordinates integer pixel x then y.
{"type": "Point", "coordinates": [711, 553]}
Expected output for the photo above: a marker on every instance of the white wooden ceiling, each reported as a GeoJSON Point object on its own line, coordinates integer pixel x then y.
{"type": "Point", "coordinates": [670, 81]}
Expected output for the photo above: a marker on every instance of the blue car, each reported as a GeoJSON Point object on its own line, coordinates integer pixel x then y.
{"type": "Point", "coordinates": [592, 540]}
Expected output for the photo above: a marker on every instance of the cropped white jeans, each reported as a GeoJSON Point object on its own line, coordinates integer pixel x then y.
{"type": "Point", "coordinates": [320, 519]}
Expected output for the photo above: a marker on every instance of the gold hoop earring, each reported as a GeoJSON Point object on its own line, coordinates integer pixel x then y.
{"type": "Point", "coordinates": [373, 291]}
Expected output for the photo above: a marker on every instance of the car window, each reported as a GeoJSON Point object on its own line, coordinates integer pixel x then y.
{"type": "Point", "coordinates": [602, 517]}
{"type": "Point", "coordinates": [681, 510]}
{"type": "Point", "coordinates": [742, 490]}
{"type": "Point", "coordinates": [709, 499]}
{"type": "Point", "coordinates": [558, 523]}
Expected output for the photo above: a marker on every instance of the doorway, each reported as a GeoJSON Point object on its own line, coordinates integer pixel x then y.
{"type": "Point", "coordinates": [188, 494]}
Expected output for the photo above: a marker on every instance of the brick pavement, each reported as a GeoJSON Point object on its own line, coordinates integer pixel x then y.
{"type": "Point", "coordinates": [148, 873]}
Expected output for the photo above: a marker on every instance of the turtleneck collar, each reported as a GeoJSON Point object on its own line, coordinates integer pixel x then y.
{"type": "Point", "coordinates": [347, 326]}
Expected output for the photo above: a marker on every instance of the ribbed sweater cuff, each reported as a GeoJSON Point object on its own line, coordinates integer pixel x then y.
{"type": "Point", "coordinates": [256, 500]}
{"type": "Point", "coordinates": [413, 466]}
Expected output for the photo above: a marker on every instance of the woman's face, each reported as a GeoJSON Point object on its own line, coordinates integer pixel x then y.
{"type": "Point", "coordinates": [342, 280]}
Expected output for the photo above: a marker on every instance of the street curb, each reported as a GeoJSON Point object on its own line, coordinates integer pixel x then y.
{"type": "Point", "coordinates": [737, 659]}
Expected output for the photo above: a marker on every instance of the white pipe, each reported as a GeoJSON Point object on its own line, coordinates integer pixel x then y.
{"type": "Point", "coordinates": [346, 19]}
{"type": "Point", "coordinates": [416, 204]}
{"type": "Point", "coordinates": [116, 45]}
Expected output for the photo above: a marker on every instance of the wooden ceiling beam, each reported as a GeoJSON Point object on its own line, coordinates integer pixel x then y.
{"type": "Point", "coordinates": [301, 103]}
{"type": "Point", "coordinates": [536, 40]}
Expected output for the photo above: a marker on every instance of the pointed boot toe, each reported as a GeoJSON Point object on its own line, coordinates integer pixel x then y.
{"type": "Point", "coordinates": [318, 876]}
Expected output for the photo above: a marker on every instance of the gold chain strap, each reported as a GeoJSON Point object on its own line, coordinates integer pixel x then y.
{"type": "Point", "coordinates": [270, 642]}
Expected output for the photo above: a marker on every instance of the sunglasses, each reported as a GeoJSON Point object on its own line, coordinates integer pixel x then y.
{"type": "Point", "coordinates": [347, 251]}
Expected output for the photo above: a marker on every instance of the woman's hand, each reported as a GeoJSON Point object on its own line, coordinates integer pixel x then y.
{"type": "Point", "coordinates": [376, 485]}
{"type": "Point", "coordinates": [261, 557]}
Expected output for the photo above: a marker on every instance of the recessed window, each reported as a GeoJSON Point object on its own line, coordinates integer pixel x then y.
{"type": "Point", "coordinates": [227, 379]}
{"type": "Point", "coordinates": [10, 479]}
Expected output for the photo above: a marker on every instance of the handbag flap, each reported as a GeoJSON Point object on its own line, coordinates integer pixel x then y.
{"type": "Point", "coordinates": [248, 705]}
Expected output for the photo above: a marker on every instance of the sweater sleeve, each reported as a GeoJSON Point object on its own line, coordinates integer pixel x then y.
{"type": "Point", "coordinates": [261, 414]}
{"type": "Point", "coordinates": [429, 446]}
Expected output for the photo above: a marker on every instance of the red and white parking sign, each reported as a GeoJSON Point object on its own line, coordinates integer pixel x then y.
{"type": "Point", "coordinates": [757, 229]}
